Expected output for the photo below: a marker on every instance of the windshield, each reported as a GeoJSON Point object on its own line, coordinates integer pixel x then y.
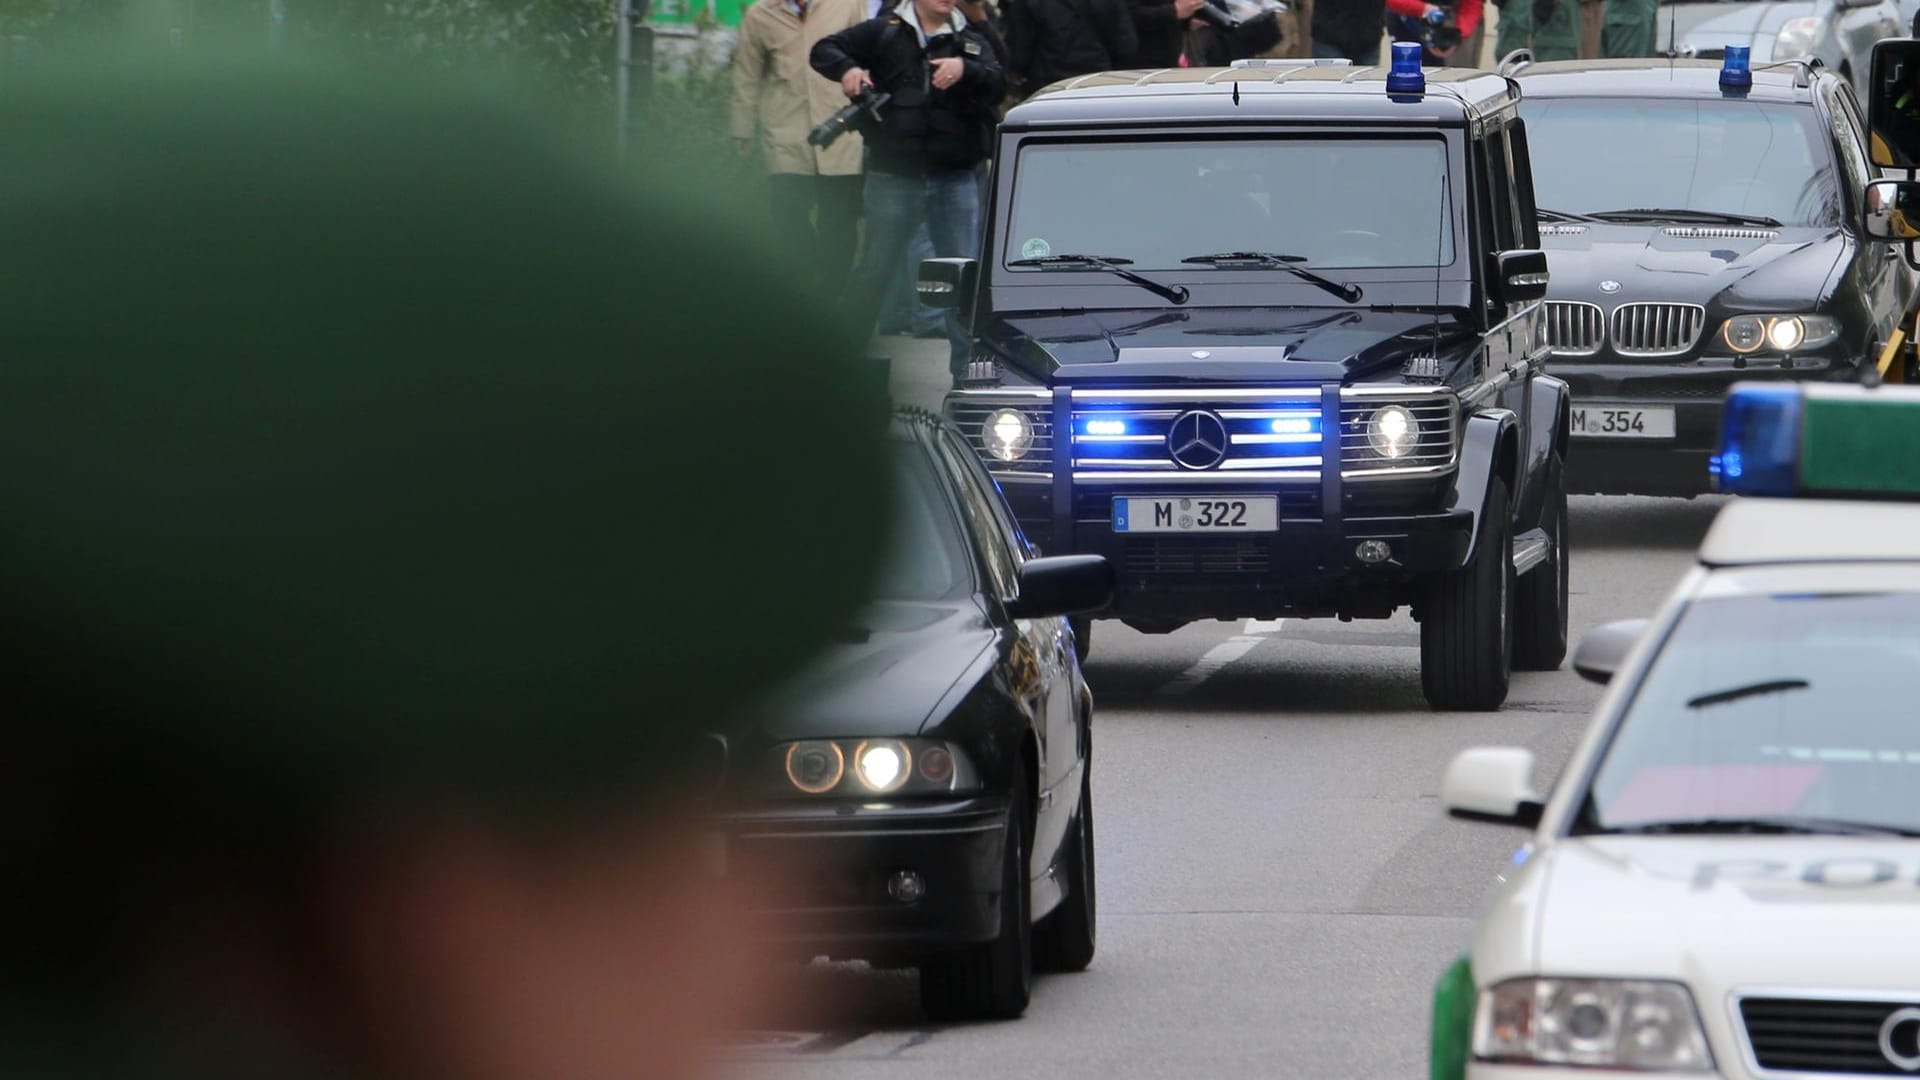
{"type": "Point", "coordinates": [927, 561]}
{"type": "Point", "coordinates": [1775, 706]}
{"type": "Point", "coordinates": [1335, 203]}
{"type": "Point", "coordinates": [1732, 157]}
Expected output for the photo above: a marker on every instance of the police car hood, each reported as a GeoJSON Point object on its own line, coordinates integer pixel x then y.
{"type": "Point", "coordinates": [1720, 266]}
{"type": "Point", "coordinates": [889, 672]}
{"type": "Point", "coordinates": [1216, 345]}
{"type": "Point", "coordinates": [1712, 27]}
{"type": "Point", "coordinates": [1731, 911]}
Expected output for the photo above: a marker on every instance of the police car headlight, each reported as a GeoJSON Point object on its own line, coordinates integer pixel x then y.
{"type": "Point", "coordinates": [1007, 434]}
{"type": "Point", "coordinates": [1605, 1023]}
{"type": "Point", "coordinates": [1748, 334]}
{"type": "Point", "coordinates": [1392, 431]}
{"type": "Point", "coordinates": [1796, 39]}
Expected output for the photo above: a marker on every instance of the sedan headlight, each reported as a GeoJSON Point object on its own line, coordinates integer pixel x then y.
{"type": "Point", "coordinates": [1392, 431]}
{"type": "Point", "coordinates": [1797, 39]}
{"type": "Point", "coordinates": [1609, 1023]}
{"type": "Point", "coordinates": [856, 768]}
{"type": "Point", "coordinates": [1749, 334]}
{"type": "Point", "coordinates": [1007, 434]}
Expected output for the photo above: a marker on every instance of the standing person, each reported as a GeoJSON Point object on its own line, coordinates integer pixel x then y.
{"type": "Point", "coordinates": [1349, 29]}
{"type": "Point", "coordinates": [814, 191]}
{"type": "Point", "coordinates": [1160, 28]}
{"type": "Point", "coordinates": [1550, 28]}
{"type": "Point", "coordinates": [923, 154]}
{"type": "Point", "coordinates": [1593, 21]}
{"type": "Point", "coordinates": [1407, 19]}
{"type": "Point", "coordinates": [1050, 40]}
{"type": "Point", "coordinates": [1630, 28]}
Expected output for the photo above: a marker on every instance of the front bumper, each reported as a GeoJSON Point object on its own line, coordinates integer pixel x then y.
{"type": "Point", "coordinates": [830, 863]}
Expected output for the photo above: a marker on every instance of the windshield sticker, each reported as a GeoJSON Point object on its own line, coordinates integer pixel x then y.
{"type": "Point", "coordinates": [1035, 248]}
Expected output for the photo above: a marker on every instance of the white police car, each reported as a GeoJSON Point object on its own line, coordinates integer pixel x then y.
{"type": "Point", "coordinates": [1726, 879]}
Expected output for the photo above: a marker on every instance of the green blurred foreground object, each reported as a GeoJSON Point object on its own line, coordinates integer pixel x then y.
{"type": "Point", "coordinates": [359, 441]}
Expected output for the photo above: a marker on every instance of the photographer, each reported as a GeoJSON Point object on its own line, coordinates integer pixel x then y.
{"type": "Point", "coordinates": [1439, 28]}
{"type": "Point", "coordinates": [922, 154]}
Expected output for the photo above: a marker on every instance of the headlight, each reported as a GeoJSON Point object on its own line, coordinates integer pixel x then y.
{"type": "Point", "coordinates": [856, 768]}
{"type": "Point", "coordinates": [1392, 431]}
{"type": "Point", "coordinates": [1007, 434]}
{"type": "Point", "coordinates": [1611, 1023]}
{"type": "Point", "coordinates": [1796, 39]}
{"type": "Point", "coordinates": [1747, 334]}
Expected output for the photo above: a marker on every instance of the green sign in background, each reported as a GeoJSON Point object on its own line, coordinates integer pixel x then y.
{"type": "Point", "coordinates": [692, 12]}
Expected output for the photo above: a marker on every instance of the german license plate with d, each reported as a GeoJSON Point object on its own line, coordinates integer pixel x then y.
{"type": "Point", "coordinates": [1196, 514]}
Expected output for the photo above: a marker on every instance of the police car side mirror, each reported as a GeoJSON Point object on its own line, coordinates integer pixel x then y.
{"type": "Point", "coordinates": [1520, 277]}
{"type": "Point", "coordinates": [947, 283]}
{"type": "Point", "coordinates": [1492, 784]}
{"type": "Point", "coordinates": [1892, 210]}
{"type": "Point", "coordinates": [1063, 585]}
{"type": "Point", "coordinates": [1893, 104]}
{"type": "Point", "coordinates": [1602, 651]}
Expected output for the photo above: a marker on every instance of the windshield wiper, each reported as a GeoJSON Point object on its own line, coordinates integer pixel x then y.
{"type": "Point", "coordinates": [1558, 215]}
{"type": "Point", "coordinates": [1704, 217]}
{"type": "Point", "coordinates": [1117, 267]}
{"type": "Point", "coordinates": [1779, 826]}
{"type": "Point", "coordinates": [1289, 263]}
{"type": "Point", "coordinates": [1771, 686]}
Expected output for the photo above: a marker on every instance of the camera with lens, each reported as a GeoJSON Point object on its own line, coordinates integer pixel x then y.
{"type": "Point", "coordinates": [866, 106]}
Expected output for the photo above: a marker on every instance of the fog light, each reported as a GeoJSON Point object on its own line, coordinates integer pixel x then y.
{"type": "Point", "coordinates": [1373, 551]}
{"type": "Point", "coordinates": [906, 886]}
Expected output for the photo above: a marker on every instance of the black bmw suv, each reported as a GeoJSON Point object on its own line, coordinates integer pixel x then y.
{"type": "Point", "coordinates": [1698, 234]}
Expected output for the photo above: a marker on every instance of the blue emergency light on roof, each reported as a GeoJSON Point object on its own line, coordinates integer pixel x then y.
{"type": "Point", "coordinates": [1811, 439]}
{"type": "Point", "coordinates": [1736, 71]}
{"type": "Point", "coordinates": [1405, 76]}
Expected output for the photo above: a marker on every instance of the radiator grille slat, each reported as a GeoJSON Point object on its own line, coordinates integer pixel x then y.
{"type": "Point", "coordinates": [1573, 327]}
{"type": "Point", "coordinates": [1819, 1035]}
{"type": "Point", "coordinates": [1654, 329]}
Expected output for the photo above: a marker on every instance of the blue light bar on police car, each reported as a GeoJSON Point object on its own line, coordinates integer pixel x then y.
{"type": "Point", "coordinates": [1405, 76]}
{"type": "Point", "coordinates": [1736, 70]}
{"type": "Point", "coordinates": [1813, 439]}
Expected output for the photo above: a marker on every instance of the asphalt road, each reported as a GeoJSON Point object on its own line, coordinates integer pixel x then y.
{"type": "Point", "coordinates": [1278, 886]}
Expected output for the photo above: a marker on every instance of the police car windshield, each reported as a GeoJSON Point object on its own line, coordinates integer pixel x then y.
{"type": "Point", "coordinates": [1745, 158]}
{"type": "Point", "coordinates": [927, 561]}
{"type": "Point", "coordinates": [1774, 709]}
{"type": "Point", "coordinates": [1336, 203]}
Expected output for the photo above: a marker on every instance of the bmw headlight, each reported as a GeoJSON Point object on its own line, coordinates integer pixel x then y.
{"type": "Point", "coordinates": [1007, 434]}
{"type": "Point", "coordinates": [1608, 1023]}
{"type": "Point", "coordinates": [862, 768]}
{"type": "Point", "coordinates": [1797, 38]}
{"type": "Point", "coordinates": [1392, 431]}
{"type": "Point", "coordinates": [1749, 334]}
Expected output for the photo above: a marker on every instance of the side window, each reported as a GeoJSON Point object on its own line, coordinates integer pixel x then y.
{"type": "Point", "coordinates": [1849, 135]}
{"type": "Point", "coordinates": [979, 505]}
{"type": "Point", "coordinates": [1506, 227]}
{"type": "Point", "coordinates": [1523, 184]}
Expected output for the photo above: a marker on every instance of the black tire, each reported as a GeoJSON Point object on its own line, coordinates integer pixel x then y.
{"type": "Point", "coordinates": [1540, 598]}
{"type": "Point", "coordinates": [1082, 634]}
{"type": "Point", "coordinates": [993, 979]}
{"type": "Point", "coordinates": [1466, 625]}
{"type": "Point", "coordinates": [1064, 940]}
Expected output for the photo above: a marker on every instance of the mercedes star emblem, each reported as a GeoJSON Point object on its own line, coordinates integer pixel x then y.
{"type": "Point", "coordinates": [1609, 287]}
{"type": "Point", "coordinates": [1197, 440]}
{"type": "Point", "coordinates": [1900, 1039]}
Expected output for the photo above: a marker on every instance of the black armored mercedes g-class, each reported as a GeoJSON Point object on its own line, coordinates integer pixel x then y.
{"type": "Point", "coordinates": [1269, 338]}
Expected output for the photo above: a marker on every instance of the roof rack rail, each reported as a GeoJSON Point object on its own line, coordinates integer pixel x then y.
{"type": "Point", "coordinates": [1514, 61]}
{"type": "Point", "coordinates": [1805, 65]}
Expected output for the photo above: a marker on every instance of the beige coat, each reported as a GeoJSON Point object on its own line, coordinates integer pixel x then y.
{"type": "Point", "coordinates": [778, 98]}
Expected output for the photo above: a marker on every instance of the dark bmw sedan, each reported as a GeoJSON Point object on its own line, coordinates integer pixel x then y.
{"type": "Point", "coordinates": [1697, 234]}
{"type": "Point", "coordinates": [928, 782]}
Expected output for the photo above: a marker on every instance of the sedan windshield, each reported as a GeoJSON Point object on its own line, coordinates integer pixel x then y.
{"type": "Point", "coordinates": [1776, 712]}
{"type": "Point", "coordinates": [926, 559]}
{"type": "Point", "coordinates": [1331, 203]}
{"type": "Point", "coordinates": [1720, 157]}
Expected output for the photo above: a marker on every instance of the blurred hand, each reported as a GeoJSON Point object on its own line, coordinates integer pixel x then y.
{"type": "Point", "coordinates": [854, 81]}
{"type": "Point", "coordinates": [946, 72]}
{"type": "Point", "coordinates": [1184, 9]}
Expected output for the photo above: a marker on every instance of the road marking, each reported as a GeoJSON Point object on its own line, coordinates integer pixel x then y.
{"type": "Point", "coordinates": [1264, 626]}
{"type": "Point", "coordinates": [1210, 664]}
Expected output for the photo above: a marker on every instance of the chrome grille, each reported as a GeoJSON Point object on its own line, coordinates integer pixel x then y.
{"type": "Point", "coordinates": [1818, 1035]}
{"type": "Point", "coordinates": [970, 414]}
{"type": "Point", "coordinates": [1573, 327]}
{"type": "Point", "coordinates": [1437, 414]}
{"type": "Point", "coordinates": [1646, 329]}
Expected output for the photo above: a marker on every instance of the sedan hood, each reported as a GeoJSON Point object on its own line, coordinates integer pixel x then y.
{"type": "Point", "coordinates": [1212, 345]}
{"type": "Point", "coordinates": [1738, 268]}
{"type": "Point", "coordinates": [889, 683]}
{"type": "Point", "coordinates": [1712, 27]}
{"type": "Point", "coordinates": [1726, 913]}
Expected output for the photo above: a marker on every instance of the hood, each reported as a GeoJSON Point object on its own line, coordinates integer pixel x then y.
{"type": "Point", "coordinates": [1726, 913]}
{"type": "Point", "coordinates": [1710, 28]}
{"type": "Point", "coordinates": [887, 684]}
{"type": "Point", "coordinates": [1735, 268]}
{"type": "Point", "coordinates": [1213, 345]}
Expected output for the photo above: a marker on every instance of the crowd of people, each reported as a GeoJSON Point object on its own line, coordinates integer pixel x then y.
{"type": "Point", "coordinates": [916, 173]}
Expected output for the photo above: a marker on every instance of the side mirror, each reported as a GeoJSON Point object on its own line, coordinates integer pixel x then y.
{"type": "Point", "coordinates": [1893, 210]}
{"type": "Point", "coordinates": [1893, 104]}
{"type": "Point", "coordinates": [1520, 277]}
{"type": "Point", "coordinates": [1492, 784]}
{"type": "Point", "coordinates": [1602, 651]}
{"type": "Point", "coordinates": [947, 283]}
{"type": "Point", "coordinates": [1063, 585]}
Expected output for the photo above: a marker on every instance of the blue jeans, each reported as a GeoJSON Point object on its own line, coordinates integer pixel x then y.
{"type": "Point", "coordinates": [949, 204]}
{"type": "Point", "coordinates": [1364, 58]}
{"type": "Point", "coordinates": [903, 310]}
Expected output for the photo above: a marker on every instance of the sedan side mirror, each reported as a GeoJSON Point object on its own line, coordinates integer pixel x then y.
{"type": "Point", "coordinates": [1063, 585]}
{"type": "Point", "coordinates": [1493, 784]}
{"type": "Point", "coordinates": [947, 283]}
{"type": "Point", "coordinates": [1520, 277]}
{"type": "Point", "coordinates": [1893, 104]}
{"type": "Point", "coordinates": [1602, 651]}
{"type": "Point", "coordinates": [1893, 210]}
